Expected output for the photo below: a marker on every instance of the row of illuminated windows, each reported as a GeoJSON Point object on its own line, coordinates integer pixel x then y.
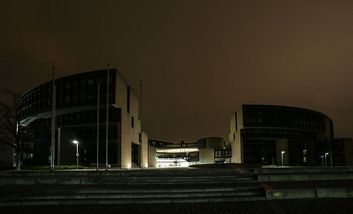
{"type": "Point", "coordinates": [27, 156]}
{"type": "Point", "coordinates": [171, 155]}
{"type": "Point", "coordinates": [190, 156]}
{"type": "Point", "coordinates": [222, 153]}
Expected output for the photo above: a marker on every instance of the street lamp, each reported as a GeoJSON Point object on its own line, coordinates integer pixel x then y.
{"type": "Point", "coordinates": [77, 154]}
{"type": "Point", "coordinates": [282, 153]}
{"type": "Point", "coordinates": [322, 160]}
{"type": "Point", "coordinates": [326, 154]}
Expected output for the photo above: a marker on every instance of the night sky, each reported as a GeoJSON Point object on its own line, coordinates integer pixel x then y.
{"type": "Point", "coordinates": [199, 60]}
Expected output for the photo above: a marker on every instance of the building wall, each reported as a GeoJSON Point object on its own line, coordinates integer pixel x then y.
{"type": "Point", "coordinates": [301, 133]}
{"type": "Point", "coordinates": [129, 134]}
{"type": "Point", "coordinates": [76, 112]}
{"type": "Point", "coordinates": [206, 155]}
{"type": "Point", "coordinates": [348, 151]}
{"type": "Point", "coordinates": [236, 124]}
{"type": "Point", "coordinates": [6, 157]}
{"type": "Point", "coordinates": [144, 150]}
{"type": "Point", "coordinates": [152, 153]}
{"type": "Point", "coordinates": [342, 151]}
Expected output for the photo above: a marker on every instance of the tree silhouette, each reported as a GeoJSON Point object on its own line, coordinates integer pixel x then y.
{"type": "Point", "coordinates": [11, 133]}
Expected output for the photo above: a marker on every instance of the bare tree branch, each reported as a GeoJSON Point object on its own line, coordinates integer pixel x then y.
{"type": "Point", "coordinates": [8, 124]}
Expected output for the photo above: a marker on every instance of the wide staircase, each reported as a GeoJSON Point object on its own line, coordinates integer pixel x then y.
{"type": "Point", "coordinates": [128, 186]}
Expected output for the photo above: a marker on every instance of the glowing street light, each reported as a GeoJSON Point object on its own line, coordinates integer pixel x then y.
{"type": "Point", "coordinates": [282, 154]}
{"type": "Point", "coordinates": [326, 154]}
{"type": "Point", "coordinates": [77, 154]}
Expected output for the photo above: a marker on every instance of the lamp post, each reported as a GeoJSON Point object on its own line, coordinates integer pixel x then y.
{"type": "Point", "coordinates": [53, 115]}
{"type": "Point", "coordinates": [282, 154]}
{"type": "Point", "coordinates": [77, 154]}
{"type": "Point", "coordinates": [322, 160]}
{"type": "Point", "coordinates": [98, 91]}
{"type": "Point", "coordinates": [326, 154]}
{"type": "Point", "coordinates": [107, 122]}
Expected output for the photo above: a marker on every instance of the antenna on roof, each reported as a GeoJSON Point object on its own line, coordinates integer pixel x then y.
{"type": "Point", "coordinates": [107, 119]}
{"type": "Point", "coordinates": [53, 115]}
{"type": "Point", "coordinates": [140, 104]}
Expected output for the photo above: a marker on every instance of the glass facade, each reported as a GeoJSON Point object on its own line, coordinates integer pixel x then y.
{"type": "Point", "coordinates": [259, 151]}
{"type": "Point", "coordinates": [303, 135]}
{"type": "Point", "coordinates": [76, 117]}
{"type": "Point", "coordinates": [72, 91]}
{"type": "Point", "coordinates": [283, 117]}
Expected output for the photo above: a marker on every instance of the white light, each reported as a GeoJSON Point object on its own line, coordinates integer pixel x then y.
{"type": "Point", "coordinates": [177, 150]}
{"type": "Point", "coordinates": [171, 163]}
{"type": "Point", "coordinates": [282, 154]}
{"type": "Point", "coordinates": [77, 152]}
{"type": "Point", "coordinates": [326, 154]}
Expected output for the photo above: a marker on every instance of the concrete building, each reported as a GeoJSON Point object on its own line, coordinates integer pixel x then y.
{"type": "Point", "coordinates": [207, 150]}
{"type": "Point", "coordinates": [76, 118]}
{"type": "Point", "coordinates": [214, 150]}
{"type": "Point", "coordinates": [269, 134]}
{"type": "Point", "coordinates": [6, 156]}
{"type": "Point", "coordinates": [342, 151]}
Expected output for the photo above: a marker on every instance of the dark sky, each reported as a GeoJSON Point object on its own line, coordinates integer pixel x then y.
{"type": "Point", "coordinates": [199, 60]}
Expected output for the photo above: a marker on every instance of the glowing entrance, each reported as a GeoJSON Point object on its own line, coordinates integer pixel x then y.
{"type": "Point", "coordinates": [176, 157]}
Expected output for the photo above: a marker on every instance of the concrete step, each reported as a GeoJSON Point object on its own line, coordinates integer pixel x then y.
{"type": "Point", "coordinates": [101, 179]}
{"type": "Point", "coordinates": [138, 195]}
{"type": "Point", "coordinates": [131, 172]}
{"type": "Point", "coordinates": [99, 194]}
{"type": "Point", "coordinates": [168, 190]}
{"type": "Point", "coordinates": [150, 186]}
{"type": "Point", "coordinates": [52, 190]}
{"type": "Point", "coordinates": [130, 201]}
{"type": "Point", "coordinates": [121, 198]}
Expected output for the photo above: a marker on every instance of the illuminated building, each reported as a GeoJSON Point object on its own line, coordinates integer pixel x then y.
{"type": "Point", "coordinates": [266, 134]}
{"type": "Point", "coordinates": [76, 118]}
{"type": "Point", "coordinates": [208, 150]}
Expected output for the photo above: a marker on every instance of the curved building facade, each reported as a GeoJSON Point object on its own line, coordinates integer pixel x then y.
{"type": "Point", "coordinates": [76, 119]}
{"type": "Point", "coordinates": [275, 135]}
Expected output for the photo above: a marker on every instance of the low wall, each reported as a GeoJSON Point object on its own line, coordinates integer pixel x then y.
{"type": "Point", "coordinates": [300, 193]}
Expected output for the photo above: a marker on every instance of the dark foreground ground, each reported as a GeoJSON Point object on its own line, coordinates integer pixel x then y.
{"type": "Point", "coordinates": [320, 206]}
